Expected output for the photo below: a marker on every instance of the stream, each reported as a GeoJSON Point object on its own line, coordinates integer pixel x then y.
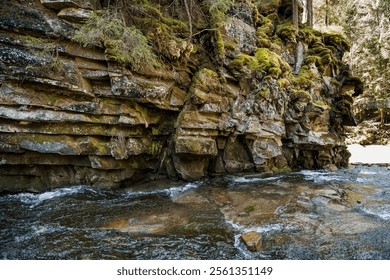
{"type": "Point", "coordinates": [301, 215]}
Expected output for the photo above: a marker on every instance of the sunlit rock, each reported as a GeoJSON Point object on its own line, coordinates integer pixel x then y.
{"type": "Point", "coordinates": [252, 240]}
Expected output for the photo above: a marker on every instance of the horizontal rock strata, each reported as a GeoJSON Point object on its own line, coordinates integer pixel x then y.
{"type": "Point", "coordinates": [72, 115]}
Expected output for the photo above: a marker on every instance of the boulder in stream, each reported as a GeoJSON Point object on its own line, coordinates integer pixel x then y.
{"type": "Point", "coordinates": [252, 240]}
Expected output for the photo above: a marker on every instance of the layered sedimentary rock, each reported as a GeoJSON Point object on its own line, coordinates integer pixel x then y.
{"type": "Point", "coordinates": [275, 99]}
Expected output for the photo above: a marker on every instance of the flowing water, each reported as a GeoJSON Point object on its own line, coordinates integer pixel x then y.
{"type": "Point", "coordinates": [301, 215]}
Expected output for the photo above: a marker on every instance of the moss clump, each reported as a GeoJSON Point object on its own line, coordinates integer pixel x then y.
{"type": "Point", "coordinates": [337, 40]}
{"type": "Point", "coordinates": [145, 9]}
{"type": "Point", "coordinates": [249, 208]}
{"type": "Point", "coordinates": [304, 79]}
{"type": "Point", "coordinates": [301, 95]}
{"type": "Point", "coordinates": [218, 10]}
{"type": "Point", "coordinates": [220, 46]}
{"type": "Point", "coordinates": [264, 92]}
{"type": "Point", "coordinates": [266, 7]}
{"type": "Point", "coordinates": [322, 56]}
{"type": "Point", "coordinates": [265, 31]}
{"type": "Point", "coordinates": [325, 50]}
{"type": "Point", "coordinates": [36, 43]}
{"type": "Point", "coordinates": [283, 83]}
{"type": "Point", "coordinates": [268, 60]}
{"type": "Point", "coordinates": [274, 71]}
{"type": "Point", "coordinates": [164, 42]}
{"type": "Point", "coordinates": [266, 25]}
{"type": "Point", "coordinates": [321, 104]}
{"type": "Point", "coordinates": [204, 82]}
{"type": "Point", "coordinates": [124, 44]}
{"type": "Point", "coordinates": [242, 60]}
{"type": "Point", "coordinates": [312, 59]}
{"type": "Point", "coordinates": [335, 82]}
{"type": "Point", "coordinates": [264, 62]}
{"type": "Point", "coordinates": [263, 38]}
{"type": "Point", "coordinates": [45, 49]}
{"type": "Point", "coordinates": [310, 35]}
{"type": "Point", "coordinates": [287, 32]}
{"type": "Point", "coordinates": [230, 46]}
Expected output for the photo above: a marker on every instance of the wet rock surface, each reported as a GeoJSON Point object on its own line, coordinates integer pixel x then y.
{"type": "Point", "coordinates": [251, 107]}
{"type": "Point", "coordinates": [301, 215]}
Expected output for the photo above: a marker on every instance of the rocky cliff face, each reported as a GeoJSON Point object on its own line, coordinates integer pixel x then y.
{"type": "Point", "coordinates": [252, 94]}
{"type": "Point", "coordinates": [366, 23]}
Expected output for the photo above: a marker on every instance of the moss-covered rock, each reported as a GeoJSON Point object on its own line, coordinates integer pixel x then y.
{"type": "Point", "coordinates": [264, 62]}
{"type": "Point", "coordinates": [266, 7]}
{"type": "Point", "coordinates": [287, 32]}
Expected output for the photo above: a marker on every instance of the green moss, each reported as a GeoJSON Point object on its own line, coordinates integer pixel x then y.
{"type": "Point", "coordinates": [217, 11]}
{"type": "Point", "coordinates": [125, 44]}
{"type": "Point", "coordinates": [249, 208]}
{"type": "Point", "coordinates": [204, 82]}
{"type": "Point", "coordinates": [283, 83]}
{"type": "Point", "coordinates": [275, 48]}
{"type": "Point", "coordinates": [263, 38]}
{"type": "Point", "coordinates": [220, 46]}
{"type": "Point", "coordinates": [312, 59]}
{"type": "Point", "coordinates": [242, 60]}
{"type": "Point", "coordinates": [310, 36]}
{"type": "Point", "coordinates": [304, 79]}
{"type": "Point", "coordinates": [153, 11]}
{"type": "Point", "coordinates": [261, 34]}
{"type": "Point", "coordinates": [337, 40]}
{"type": "Point", "coordinates": [285, 169]}
{"type": "Point", "coordinates": [36, 43]}
{"type": "Point", "coordinates": [156, 148]}
{"type": "Point", "coordinates": [230, 46]}
{"type": "Point", "coordinates": [264, 61]}
{"type": "Point", "coordinates": [264, 58]}
{"type": "Point", "coordinates": [323, 48]}
{"type": "Point", "coordinates": [300, 95]}
{"type": "Point", "coordinates": [335, 82]}
{"type": "Point", "coordinates": [264, 93]}
{"type": "Point", "coordinates": [274, 71]}
{"type": "Point", "coordinates": [276, 40]}
{"type": "Point", "coordinates": [322, 104]}
{"type": "Point", "coordinates": [164, 41]}
{"type": "Point", "coordinates": [266, 26]}
{"type": "Point", "coordinates": [264, 42]}
{"type": "Point", "coordinates": [287, 32]}
{"type": "Point", "coordinates": [266, 7]}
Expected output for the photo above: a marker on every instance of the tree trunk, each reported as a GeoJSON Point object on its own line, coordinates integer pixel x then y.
{"type": "Point", "coordinates": [326, 12]}
{"type": "Point", "coordinates": [309, 8]}
{"type": "Point", "coordinates": [295, 14]}
{"type": "Point", "coordinates": [189, 19]}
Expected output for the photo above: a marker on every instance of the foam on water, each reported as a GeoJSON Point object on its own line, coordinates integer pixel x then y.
{"type": "Point", "coordinates": [367, 172]}
{"type": "Point", "coordinates": [322, 176]}
{"type": "Point", "coordinates": [381, 211]}
{"type": "Point", "coordinates": [171, 192]}
{"type": "Point", "coordinates": [36, 199]}
{"type": "Point", "coordinates": [254, 180]}
{"type": "Point", "coordinates": [175, 191]}
{"type": "Point", "coordinates": [361, 180]}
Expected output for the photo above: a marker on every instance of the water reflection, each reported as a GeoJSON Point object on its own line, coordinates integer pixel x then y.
{"type": "Point", "coordinates": [302, 215]}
